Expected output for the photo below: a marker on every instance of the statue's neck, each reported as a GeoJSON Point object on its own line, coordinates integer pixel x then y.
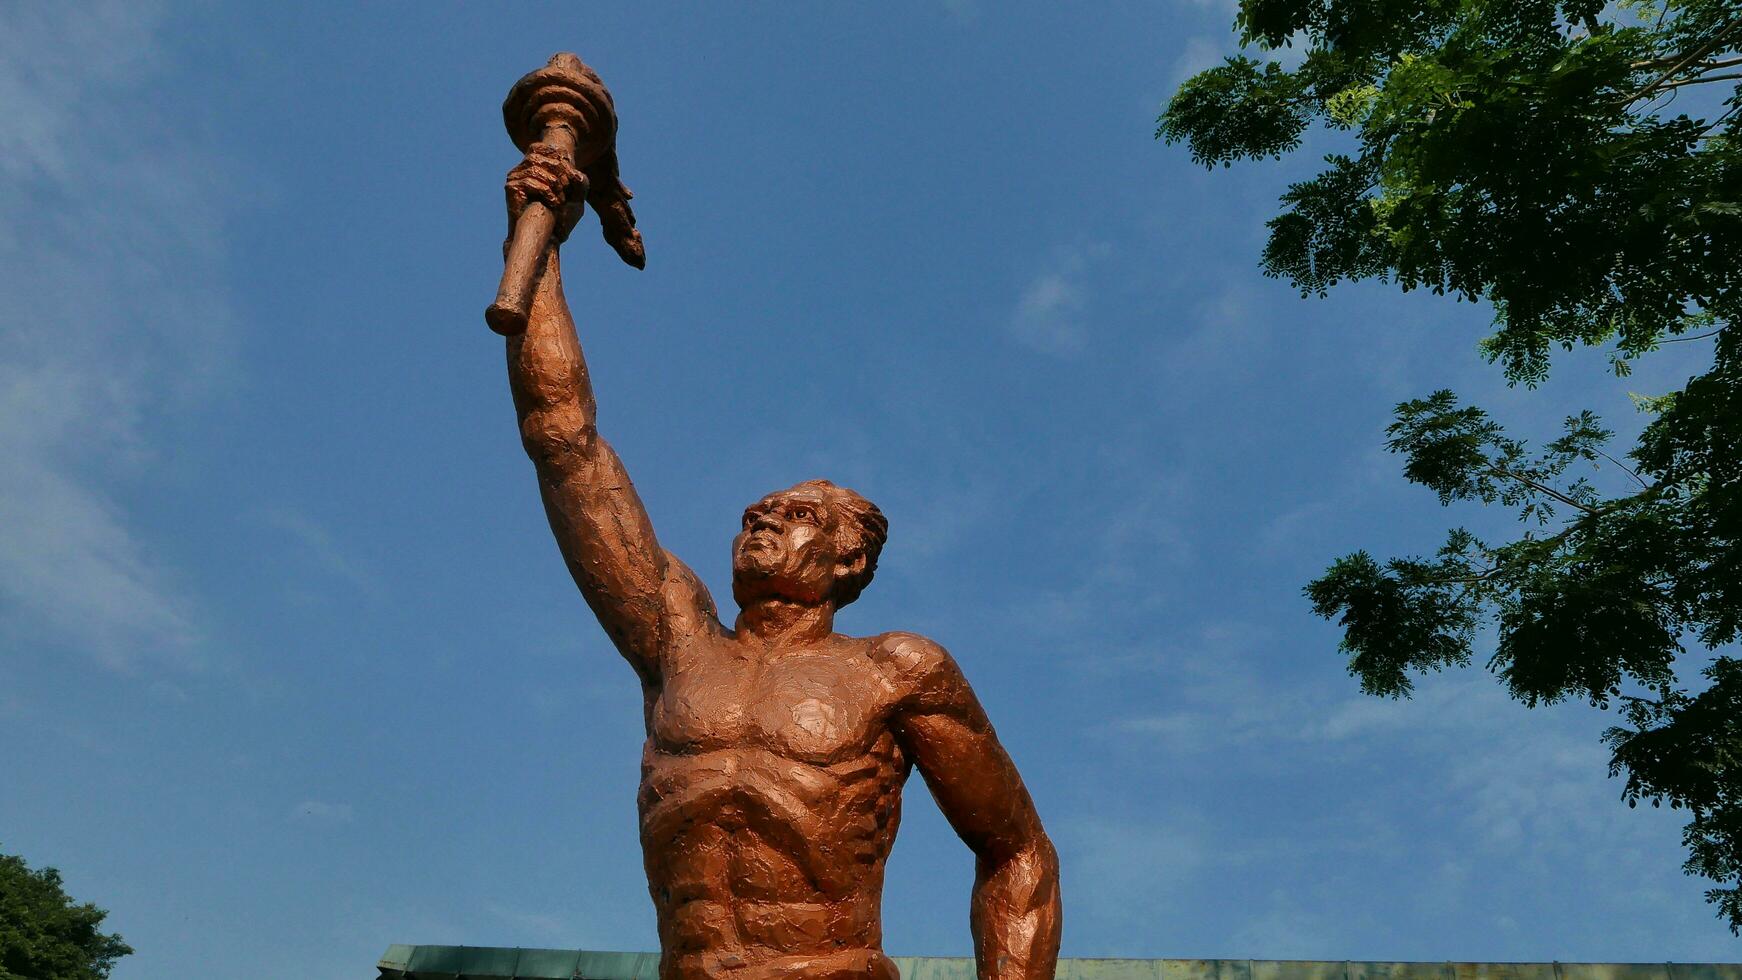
{"type": "Point", "coordinates": [782, 623]}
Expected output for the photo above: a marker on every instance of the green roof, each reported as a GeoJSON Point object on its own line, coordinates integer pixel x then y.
{"type": "Point", "coordinates": [493, 963]}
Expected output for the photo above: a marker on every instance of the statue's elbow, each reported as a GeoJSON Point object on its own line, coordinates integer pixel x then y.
{"type": "Point", "coordinates": [1045, 859]}
{"type": "Point", "coordinates": [1031, 855]}
{"type": "Point", "coordinates": [1040, 877]}
{"type": "Point", "coordinates": [559, 434]}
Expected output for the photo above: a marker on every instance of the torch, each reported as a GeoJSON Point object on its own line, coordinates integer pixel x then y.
{"type": "Point", "coordinates": [563, 105]}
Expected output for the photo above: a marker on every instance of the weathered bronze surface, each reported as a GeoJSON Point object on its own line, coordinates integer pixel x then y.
{"type": "Point", "coordinates": [777, 748]}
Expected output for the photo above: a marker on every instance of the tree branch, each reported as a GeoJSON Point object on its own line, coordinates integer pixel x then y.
{"type": "Point", "coordinates": [1702, 66]}
{"type": "Point", "coordinates": [1495, 469]}
{"type": "Point", "coordinates": [1714, 124]}
{"type": "Point", "coordinates": [1698, 336]}
{"type": "Point", "coordinates": [1476, 579]}
{"type": "Point", "coordinates": [1626, 469]}
{"type": "Point", "coordinates": [1703, 79]}
{"type": "Point", "coordinates": [1477, 575]}
{"type": "Point", "coordinates": [1692, 58]}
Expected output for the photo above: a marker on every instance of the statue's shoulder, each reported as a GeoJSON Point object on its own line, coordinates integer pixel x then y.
{"type": "Point", "coordinates": [914, 663]}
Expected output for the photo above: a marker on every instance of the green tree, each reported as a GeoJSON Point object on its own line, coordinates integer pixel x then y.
{"type": "Point", "coordinates": [44, 934]}
{"type": "Point", "coordinates": [1578, 166]}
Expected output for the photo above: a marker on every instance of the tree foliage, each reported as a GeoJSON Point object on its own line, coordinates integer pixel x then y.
{"type": "Point", "coordinates": [44, 934]}
{"type": "Point", "coordinates": [1531, 153]}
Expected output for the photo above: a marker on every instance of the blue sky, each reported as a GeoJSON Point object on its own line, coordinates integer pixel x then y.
{"type": "Point", "coordinates": [291, 668]}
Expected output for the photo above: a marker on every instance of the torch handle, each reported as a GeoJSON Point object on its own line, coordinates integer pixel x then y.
{"type": "Point", "coordinates": [526, 245]}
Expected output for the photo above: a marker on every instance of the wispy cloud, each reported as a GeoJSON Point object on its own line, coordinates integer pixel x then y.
{"type": "Point", "coordinates": [1223, 348]}
{"type": "Point", "coordinates": [109, 314]}
{"type": "Point", "coordinates": [322, 548]}
{"type": "Point", "coordinates": [1206, 50]}
{"type": "Point", "coordinates": [1051, 314]}
{"type": "Point", "coordinates": [1138, 534]}
{"type": "Point", "coordinates": [1047, 315]}
{"type": "Point", "coordinates": [1221, 700]}
{"type": "Point", "coordinates": [1511, 777]}
{"type": "Point", "coordinates": [1200, 52]}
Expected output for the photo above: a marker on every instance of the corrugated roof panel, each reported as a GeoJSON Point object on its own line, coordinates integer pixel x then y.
{"type": "Point", "coordinates": [618, 966]}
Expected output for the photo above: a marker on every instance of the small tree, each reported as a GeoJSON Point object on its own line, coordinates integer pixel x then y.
{"type": "Point", "coordinates": [1527, 152]}
{"type": "Point", "coordinates": [44, 934]}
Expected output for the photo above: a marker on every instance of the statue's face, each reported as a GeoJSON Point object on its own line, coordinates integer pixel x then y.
{"type": "Point", "coordinates": [786, 549]}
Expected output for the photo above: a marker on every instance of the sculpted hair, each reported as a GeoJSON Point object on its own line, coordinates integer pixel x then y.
{"type": "Point", "coordinates": [860, 529]}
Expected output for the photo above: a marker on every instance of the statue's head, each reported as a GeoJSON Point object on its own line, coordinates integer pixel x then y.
{"type": "Point", "coordinates": [807, 544]}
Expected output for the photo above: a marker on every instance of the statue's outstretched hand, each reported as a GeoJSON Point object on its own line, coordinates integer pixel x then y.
{"type": "Point", "coordinates": [547, 175]}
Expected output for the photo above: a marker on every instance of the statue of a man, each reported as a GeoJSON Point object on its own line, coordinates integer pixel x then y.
{"type": "Point", "coordinates": [776, 748]}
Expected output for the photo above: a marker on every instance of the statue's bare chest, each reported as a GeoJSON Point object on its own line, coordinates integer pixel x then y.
{"type": "Point", "coordinates": [820, 707]}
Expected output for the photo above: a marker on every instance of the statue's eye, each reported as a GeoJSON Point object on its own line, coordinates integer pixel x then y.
{"type": "Point", "coordinates": [801, 513]}
{"type": "Point", "coordinates": [749, 519]}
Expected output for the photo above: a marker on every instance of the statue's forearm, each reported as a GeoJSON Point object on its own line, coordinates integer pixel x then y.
{"type": "Point", "coordinates": [1016, 913]}
{"type": "Point", "coordinates": [553, 394]}
{"type": "Point", "coordinates": [597, 518]}
{"type": "Point", "coordinates": [1015, 910]}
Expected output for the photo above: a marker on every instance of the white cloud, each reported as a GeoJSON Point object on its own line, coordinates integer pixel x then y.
{"type": "Point", "coordinates": [1200, 52]}
{"type": "Point", "coordinates": [1223, 702]}
{"type": "Point", "coordinates": [1046, 316]}
{"type": "Point", "coordinates": [1223, 350]}
{"type": "Point", "coordinates": [108, 316]}
{"type": "Point", "coordinates": [1051, 313]}
{"type": "Point", "coordinates": [1515, 781]}
{"type": "Point", "coordinates": [322, 548]}
{"type": "Point", "coordinates": [69, 563]}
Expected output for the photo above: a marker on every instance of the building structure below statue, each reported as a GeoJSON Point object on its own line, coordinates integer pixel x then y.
{"type": "Point", "coordinates": [499, 963]}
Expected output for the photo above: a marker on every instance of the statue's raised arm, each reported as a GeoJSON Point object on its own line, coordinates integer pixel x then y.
{"type": "Point", "coordinates": [563, 120]}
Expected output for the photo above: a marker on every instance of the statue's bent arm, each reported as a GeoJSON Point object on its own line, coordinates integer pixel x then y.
{"type": "Point", "coordinates": [1015, 913]}
{"type": "Point", "coordinates": [640, 594]}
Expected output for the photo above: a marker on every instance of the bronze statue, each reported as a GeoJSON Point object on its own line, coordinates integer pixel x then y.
{"type": "Point", "coordinates": [776, 749]}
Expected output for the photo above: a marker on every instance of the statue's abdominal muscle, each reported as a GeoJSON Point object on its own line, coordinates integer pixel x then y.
{"type": "Point", "coordinates": [772, 797]}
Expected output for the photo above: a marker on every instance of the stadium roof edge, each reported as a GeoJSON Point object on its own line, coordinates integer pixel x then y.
{"type": "Point", "coordinates": [403, 962]}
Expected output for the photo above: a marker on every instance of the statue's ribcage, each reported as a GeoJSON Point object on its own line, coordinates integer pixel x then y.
{"type": "Point", "coordinates": [832, 824]}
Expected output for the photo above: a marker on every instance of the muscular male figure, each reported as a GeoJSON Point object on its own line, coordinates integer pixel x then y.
{"type": "Point", "coordinates": [776, 749]}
